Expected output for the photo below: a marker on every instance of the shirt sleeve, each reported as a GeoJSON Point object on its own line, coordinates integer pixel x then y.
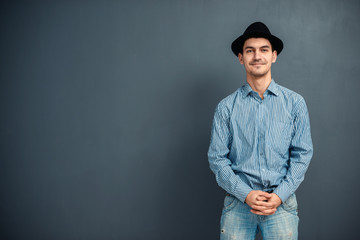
{"type": "Point", "coordinates": [219, 149]}
{"type": "Point", "coordinates": [301, 151]}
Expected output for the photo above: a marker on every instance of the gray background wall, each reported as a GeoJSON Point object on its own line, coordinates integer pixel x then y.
{"type": "Point", "coordinates": [106, 110]}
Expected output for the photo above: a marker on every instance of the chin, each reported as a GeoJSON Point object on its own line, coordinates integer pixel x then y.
{"type": "Point", "coordinates": [259, 75]}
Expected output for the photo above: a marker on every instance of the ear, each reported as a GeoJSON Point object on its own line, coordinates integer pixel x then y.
{"type": "Point", "coordinates": [274, 56]}
{"type": "Point", "coordinates": [240, 56]}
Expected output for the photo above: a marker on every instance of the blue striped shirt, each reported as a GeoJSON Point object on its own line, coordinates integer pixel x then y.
{"type": "Point", "coordinates": [260, 144]}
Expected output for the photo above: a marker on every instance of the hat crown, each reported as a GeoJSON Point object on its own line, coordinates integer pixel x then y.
{"type": "Point", "coordinates": [257, 27]}
{"type": "Point", "coordinates": [256, 30]}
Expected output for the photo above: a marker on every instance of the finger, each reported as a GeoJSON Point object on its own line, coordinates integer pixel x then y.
{"type": "Point", "coordinates": [259, 213]}
{"type": "Point", "coordinates": [261, 208]}
{"type": "Point", "coordinates": [265, 204]}
{"type": "Point", "coordinates": [264, 212]}
{"type": "Point", "coordinates": [266, 194]}
{"type": "Point", "coordinates": [274, 201]}
{"type": "Point", "coordinates": [261, 198]}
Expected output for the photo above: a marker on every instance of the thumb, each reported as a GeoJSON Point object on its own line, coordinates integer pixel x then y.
{"type": "Point", "coordinates": [267, 195]}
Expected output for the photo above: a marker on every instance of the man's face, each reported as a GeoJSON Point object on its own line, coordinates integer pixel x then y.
{"type": "Point", "coordinates": [257, 56]}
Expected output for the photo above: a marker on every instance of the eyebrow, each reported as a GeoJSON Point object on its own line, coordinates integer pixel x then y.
{"type": "Point", "coordinates": [265, 46]}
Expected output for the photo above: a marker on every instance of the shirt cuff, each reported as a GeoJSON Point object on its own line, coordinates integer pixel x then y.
{"type": "Point", "coordinates": [243, 193]}
{"type": "Point", "coordinates": [283, 192]}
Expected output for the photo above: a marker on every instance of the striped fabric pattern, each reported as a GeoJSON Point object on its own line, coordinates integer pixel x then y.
{"type": "Point", "coordinates": [260, 144]}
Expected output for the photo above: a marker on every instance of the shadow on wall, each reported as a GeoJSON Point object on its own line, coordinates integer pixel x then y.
{"type": "Point", "coordinates": [192, 200]}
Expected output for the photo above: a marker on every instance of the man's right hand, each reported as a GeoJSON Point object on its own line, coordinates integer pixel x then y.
{"type": "Point", "coordinates": [257, 200]}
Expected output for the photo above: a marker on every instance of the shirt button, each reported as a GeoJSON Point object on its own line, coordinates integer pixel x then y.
{"type": "Point", "coordinates": [261, 154]}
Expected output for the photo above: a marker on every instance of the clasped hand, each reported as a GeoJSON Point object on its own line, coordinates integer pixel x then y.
{"type": "Point", "coordinates": [263, 203]}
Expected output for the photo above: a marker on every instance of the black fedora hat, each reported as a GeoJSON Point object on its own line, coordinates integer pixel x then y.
{"type": "Point", "coordinates": [257, 29]}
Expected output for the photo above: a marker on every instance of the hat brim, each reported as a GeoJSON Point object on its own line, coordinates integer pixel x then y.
{"type": "Point", "coordinates": [237, 44]}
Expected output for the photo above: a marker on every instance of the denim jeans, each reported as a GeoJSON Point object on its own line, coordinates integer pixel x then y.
{"type": "Point", "coordinates": [237, 222]}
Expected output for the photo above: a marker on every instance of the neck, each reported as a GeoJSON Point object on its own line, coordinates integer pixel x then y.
{"type": "Point", "coordinates": [259, 84]}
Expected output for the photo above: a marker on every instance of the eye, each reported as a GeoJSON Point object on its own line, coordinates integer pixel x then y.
{"type": "Point", "coordinates": [249, 51]}
{"type": "Point", "coordinates": [264, 50]}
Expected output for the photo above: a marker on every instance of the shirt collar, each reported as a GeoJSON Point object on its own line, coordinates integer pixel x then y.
{"type": "Point", "coordinates": [273, 88]}
{"type": "Point", "coordinates": [246, 89]}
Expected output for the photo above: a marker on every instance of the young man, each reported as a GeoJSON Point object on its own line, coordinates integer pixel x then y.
{"type": "Point", "coordinates": [260, 145]}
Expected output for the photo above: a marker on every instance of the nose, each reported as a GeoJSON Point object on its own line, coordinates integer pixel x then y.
{"type": "Point", "coordinates": [256, 54]}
